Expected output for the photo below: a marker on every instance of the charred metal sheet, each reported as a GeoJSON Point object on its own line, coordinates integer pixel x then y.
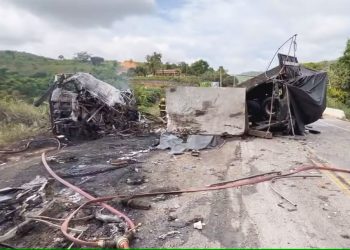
{"type": "Point", "coordinates": [83, 106]}
{"type": "Point", "coordinates": [206, 111]}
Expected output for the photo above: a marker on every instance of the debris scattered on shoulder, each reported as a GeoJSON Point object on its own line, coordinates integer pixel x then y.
{"type": "Point", "coordinates": [168, 234]}
{"type": "Point", "coordinates": [198, 225]}
{"type": "Point", "coordinates": [178, 145]}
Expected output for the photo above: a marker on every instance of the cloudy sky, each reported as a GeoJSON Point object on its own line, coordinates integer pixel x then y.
{"type": "Point", "coordinates": [242, 35]}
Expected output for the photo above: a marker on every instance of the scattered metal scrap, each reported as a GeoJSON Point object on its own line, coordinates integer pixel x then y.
{"type": "Point", "coordinates": [83, 106]}
{"type": "Point", "coordinates": [15, 202]}
{"type": "Point", "coordinates": [179, 145]}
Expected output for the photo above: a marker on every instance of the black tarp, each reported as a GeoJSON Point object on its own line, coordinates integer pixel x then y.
{"type": "Point", "coordinates": [307, 89]}
{"type": "Point", "coordinates": [308, 97]}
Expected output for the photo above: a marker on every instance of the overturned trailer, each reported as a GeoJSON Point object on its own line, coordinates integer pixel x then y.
{"type": "Point", "coordinates": [286, 98]}
{"type": "Point", "coordinates": [83, 106]}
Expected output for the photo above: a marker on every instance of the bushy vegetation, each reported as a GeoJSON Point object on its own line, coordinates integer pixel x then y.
{"type": "Point", "coordinates": [187, 80]}
{"type": "Point", "coordinates": [339, 80]}
{"type": "Point", "coordinates": [199, 71]}
{"type": "Point", "coordinates": [19, 120]}
{"type": "Point", "coordinates": [148, 98]}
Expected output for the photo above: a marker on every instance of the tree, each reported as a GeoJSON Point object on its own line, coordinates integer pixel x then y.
{"type": "Point", "coordinates": [184, 68]}
{"type": "Point", "coordinates": [61, 57]}
{"type": "Point", "coordinates": [154, 62]}
{"type": "Point", "coordinates": [199, 67]}
{"type": "Point", "coordinates": [96, 60]}
{"type": "Point", "coordinates": [210, 75]}
{"type": "Point", "coordinates": [230, 81]}
{"type": "Point", "coordinates": [341, 70]}
{"type": "Point", "coordinates": [82, 56]}
{"type": "Point", "coordinates": [140, 71]}
{"type": "Point", "coordinates": [168, 65]}
{"type": "Point", "coordinates": [131, 72]}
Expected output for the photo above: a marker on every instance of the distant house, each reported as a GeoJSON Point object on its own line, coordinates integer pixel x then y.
{"type": "Point", "coordinates": [126, 65]}
{"type": "Point", "coordinates": [168, 72]}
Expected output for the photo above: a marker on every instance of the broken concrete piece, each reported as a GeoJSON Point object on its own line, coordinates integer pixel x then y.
{"type": "Point", "coordinates": [206, 111]}
{"type": "Point", "coordinates": [334, 113]}
{"type": "Point", "coordinates": [136, 204]}
{"type": "Point", "coordinates": [172, 217]}
{"type": "Point", "coordinates": [198, 225]}
{"type": "Point", "coordinates": [195, 153]}
{"type": "Point", "coordinates": [135, 181]}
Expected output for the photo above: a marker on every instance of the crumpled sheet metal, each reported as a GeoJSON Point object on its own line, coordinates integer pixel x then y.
{"type": "Point", "coordinates": [82, 106]}
{"type": "Point", "coordinates": [194, 142]}
{"type": "Point", "coordinates": [99, 89]}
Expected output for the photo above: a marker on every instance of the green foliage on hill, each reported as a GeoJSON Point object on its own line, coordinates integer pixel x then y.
{"type": "Point", "coordinates": [339, 80]}
{"type": "Point", "coordinates": [26, 76]}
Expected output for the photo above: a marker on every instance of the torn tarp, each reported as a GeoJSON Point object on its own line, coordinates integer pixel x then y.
{"type": "Point", "coordinates": [295, 95]}
{"type": "Point", "coordinates": [193, 142]}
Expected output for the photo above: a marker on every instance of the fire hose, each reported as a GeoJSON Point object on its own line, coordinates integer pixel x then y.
{"type": "Point", "coordinates": [26, 147]}
{"type": "Point", "coordinates": [123, 242]}
{"type": "Point", "coordinates": [92, 199]}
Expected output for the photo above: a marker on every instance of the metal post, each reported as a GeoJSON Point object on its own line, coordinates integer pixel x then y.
{"type": "Point", "coordinates": [220, 85]}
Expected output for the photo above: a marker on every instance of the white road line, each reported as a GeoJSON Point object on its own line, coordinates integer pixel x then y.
{"type": "Point", "coordinates": [332, 125]}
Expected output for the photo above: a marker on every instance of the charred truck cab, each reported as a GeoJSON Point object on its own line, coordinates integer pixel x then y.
{"type": "Point", "coordinates": [83, 106]}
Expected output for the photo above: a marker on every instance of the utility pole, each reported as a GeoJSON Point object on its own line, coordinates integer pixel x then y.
{"type": "Point", "coordinates": [220, 85]}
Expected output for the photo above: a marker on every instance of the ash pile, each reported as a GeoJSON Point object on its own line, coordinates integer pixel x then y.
{"type": "Point", "coordinates": [82, 106]}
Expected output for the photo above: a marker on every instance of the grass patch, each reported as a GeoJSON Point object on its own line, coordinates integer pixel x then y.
{"type": "Point", "coordinates": [20, 120]}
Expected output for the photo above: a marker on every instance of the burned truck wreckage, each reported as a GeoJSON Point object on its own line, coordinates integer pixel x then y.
{"type": "Point", "coordinates": [283, 99]}
{"type": "Point", "coordinates": [286, 98]}
{"type": "Point", "coordinates": [83, 106]}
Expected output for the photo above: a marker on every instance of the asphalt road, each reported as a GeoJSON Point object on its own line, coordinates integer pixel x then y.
{"type": "Point", "coordinates": [315, 212]}
{"type": "Point", "coordinates": [333, 144]}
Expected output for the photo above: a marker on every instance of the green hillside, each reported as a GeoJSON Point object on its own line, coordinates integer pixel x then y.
{"type": "Point", "coordinates": [26, 76]}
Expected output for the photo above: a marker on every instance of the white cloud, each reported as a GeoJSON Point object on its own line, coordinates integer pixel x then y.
{"type": "Point", "coordinates": [241, 35]}
{"type": "Point", "coordinates": [85, 13]}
